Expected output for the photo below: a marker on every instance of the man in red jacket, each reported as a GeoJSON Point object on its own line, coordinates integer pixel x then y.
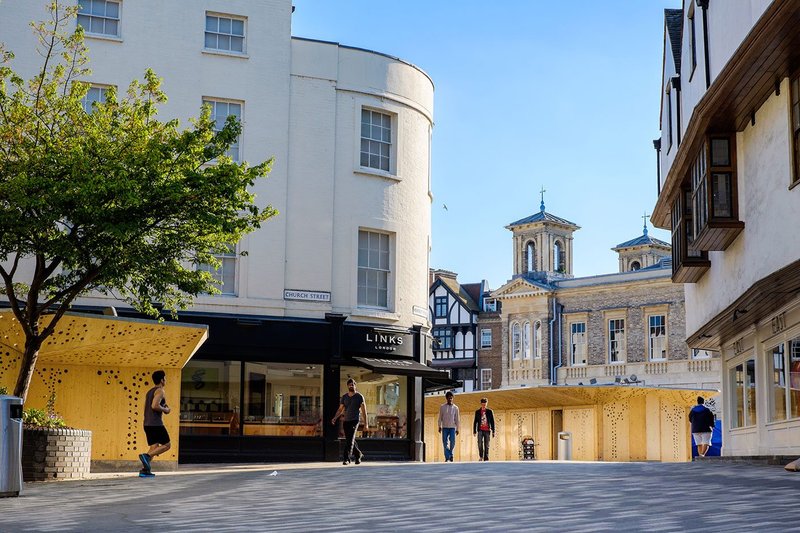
{"type": "Point", "coordinates": [483, 426]}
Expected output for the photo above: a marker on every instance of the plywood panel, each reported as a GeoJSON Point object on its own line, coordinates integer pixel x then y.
{"type": "Point", "coordinates": [637, 429]}
{"type": "Point", "coordinates": [581, 424]}
{"type": "Point", "coordinates": [109, 402]}
{"type": "Point", "coordinates": [522, 426]}
{"type": "Point", "coordinates": [616, 431]}
{"type": "Point", "coordinates": [674, 432]}
{"type": "Point", "coordinates": [653, 414]}
{"type": "Point", "coordinates": [542, 426]}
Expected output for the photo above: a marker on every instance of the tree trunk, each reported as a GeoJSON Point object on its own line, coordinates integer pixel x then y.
{"type": "Point", "coordinates": [28, 368]}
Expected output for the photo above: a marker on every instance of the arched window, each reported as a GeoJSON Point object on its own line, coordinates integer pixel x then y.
{"type": "Point", "coordinates": [559, 257]}
{"type": "Point", "coordinates": [537, 340]}
{"type": "Point", "coordinates": [515, 341]}
{"type": "Point", "coordinates": [526, 340]}
{"type": "Point", "coordinates": [530, 256]}
{"type": "Point", "coordinates": [635, 265]}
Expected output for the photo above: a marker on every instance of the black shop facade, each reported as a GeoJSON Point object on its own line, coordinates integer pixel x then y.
{"type": "Point", "coordinates": [265, 389]}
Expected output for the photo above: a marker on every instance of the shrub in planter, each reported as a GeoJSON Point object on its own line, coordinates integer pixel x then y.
{"type": "Point", "coordinates": [51, 450]}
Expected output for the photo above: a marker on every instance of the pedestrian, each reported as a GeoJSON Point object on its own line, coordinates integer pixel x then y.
{"type": "Point", "coordinates": [483, 427]}
{"type": "Point", "coordinates": [449, 425]}
{"type": "Point", "coordinates": [352, 408]}
{"type": "Point", "coordinates": [155, 406]}
{"type": "Point", "coordinates": [702, 420]}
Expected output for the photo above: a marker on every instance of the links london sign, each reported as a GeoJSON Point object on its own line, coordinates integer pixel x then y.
{"type": "Point", "coordinates": [372, 341]}
{"type": "Point", "coordinates": [387, 342]}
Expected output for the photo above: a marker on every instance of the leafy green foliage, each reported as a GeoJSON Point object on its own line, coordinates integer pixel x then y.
{"type": "Point", "coordinates": [44, 418]}
{"type": "Point", "coordinates": [40, 418]}
{"type": "Point", "coordinates": [113, 201]}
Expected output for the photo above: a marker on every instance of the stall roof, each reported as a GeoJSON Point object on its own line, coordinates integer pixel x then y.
{"type": "Point", "coordinates": [566, 396]}
{"type": "Point", "coordinates": [402, 367]}
{"type": "Point", "coordinates": [99, 340]}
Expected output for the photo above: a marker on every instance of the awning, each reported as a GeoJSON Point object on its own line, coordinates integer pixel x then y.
{"type": "Point", "coordinates": [440, 384]}
{"type": "Point", "coordinates": [401, 367]}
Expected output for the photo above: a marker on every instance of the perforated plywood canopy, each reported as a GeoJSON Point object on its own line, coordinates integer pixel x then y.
{"type": "Point", "coordinates": [563, 396]}
{"type": "Point", "coordinates": [98, 340]}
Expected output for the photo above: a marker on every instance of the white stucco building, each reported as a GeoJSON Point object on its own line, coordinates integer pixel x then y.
{"type": "Point", "coordinates": [350, 132]}
{"type": "Point", "coordinates": [729, 166]}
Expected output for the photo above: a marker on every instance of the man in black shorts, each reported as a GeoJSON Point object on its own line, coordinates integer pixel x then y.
{"type": "Point", "coordinates": [155, 405]}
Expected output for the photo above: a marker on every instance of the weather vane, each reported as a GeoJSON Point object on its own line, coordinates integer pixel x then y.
{"type": "Point", "coordinates": [542, 193]}
{"type": "Point", "coordinates": [644, 218]}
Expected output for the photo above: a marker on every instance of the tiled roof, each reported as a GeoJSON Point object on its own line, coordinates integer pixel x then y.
{"type": "Point", "coordinates": [642, 240]}
{"type": "Point", "coordinates": [542, 216]}
{"type": "Point", "coordinates": [673, 18]}
{"type": "Point", "coordinates": [462, 295]}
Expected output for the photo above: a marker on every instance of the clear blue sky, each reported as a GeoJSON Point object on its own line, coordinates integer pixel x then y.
{"type": "Point", "coordinates": [529, 93]}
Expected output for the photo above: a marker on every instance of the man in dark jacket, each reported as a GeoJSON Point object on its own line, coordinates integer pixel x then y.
{"type": "Point", "coordinates": [702, 420]}
{"type": "Point", "coordinates": [483, 426]}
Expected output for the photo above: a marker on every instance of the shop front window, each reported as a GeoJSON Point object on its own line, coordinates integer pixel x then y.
{"type": "Point", "coordinates": [210, 398]}
{"type": "Point", "coordinates": [743, 387]}
{"type": "Point", "coordinates": [386, 398]}
{"type": "Point", "coordinates": [282, 399]}
{"type": "Point", "coordinates": [785, 371]}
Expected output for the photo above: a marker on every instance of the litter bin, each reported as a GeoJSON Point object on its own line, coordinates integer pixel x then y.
{"type": "Point", "coordinates": [10, 446]}
{"type": "Point", "coordinates": [564, 446]}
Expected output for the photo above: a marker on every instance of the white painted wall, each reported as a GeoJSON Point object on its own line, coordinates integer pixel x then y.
{"type": "Point", "coordinates": [302, 103]}
{"type": "Point", "coordinates": [767, 242]}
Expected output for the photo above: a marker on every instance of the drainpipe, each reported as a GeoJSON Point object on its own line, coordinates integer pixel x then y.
{"type": "Point", "coordinates": [704, 5]}
{"type": "Point", "coordinates": [553, 367]}
{"type": "Point", "coordinates": [657, 146]}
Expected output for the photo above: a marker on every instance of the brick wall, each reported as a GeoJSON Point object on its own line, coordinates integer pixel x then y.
{"type": "Point", "coordinates": [50, 454]}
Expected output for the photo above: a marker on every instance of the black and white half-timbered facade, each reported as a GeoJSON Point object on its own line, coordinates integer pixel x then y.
{"type": "Point", "coordinates": [454, 321]}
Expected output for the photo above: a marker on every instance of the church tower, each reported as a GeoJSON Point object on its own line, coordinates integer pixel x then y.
{"type": "Point", "coordinates": [543, 245]}
{"type": "Point", "coordinates": [641, 252]}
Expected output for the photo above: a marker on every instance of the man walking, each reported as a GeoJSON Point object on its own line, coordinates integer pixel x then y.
{"type": "Point", "coordinates": [352, 406]}
{"type": "Point", "coordinates": [449, 425]}
{"type": "Point", "coordinates": [155, 405]}
{"type": "Point", "coordinates": [702, 420]}
{"type": "Point", "coordinates": [483, 427]}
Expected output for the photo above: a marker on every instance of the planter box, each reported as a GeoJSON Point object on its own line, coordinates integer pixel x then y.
{"type": "Point", "coordinates": [53, 454]}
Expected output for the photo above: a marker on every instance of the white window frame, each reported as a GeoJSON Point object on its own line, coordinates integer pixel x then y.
{"type": "Point", "coordinates": [526, 340]}
{"type": "Point", "coordinates": [516, 341]}
{"type": "Point", "coordinates": [573, 345]}
{"type": "Point", "coordinates": [486, 378]}
{"type": "Point", "coordinates": [104, 18]}
{"type": "Point", "coordinates": [228, 261]}
{"type": "Point", "coordinates": [486, 338]}
{"type": "Point", "coordinates": [653, 340]}
{"type": "Point", "coordinates": [378, 136]}
{"type": "Point", "coordinates": [386, 108]}
{"type": "Point", "coordinates": [235, 150]}
{"type": "Point", "coordinates": [367, 269]}
{"type": "Point", "coordinates": [735, 388]}
{"type": "Point", "coordinates": [490, 306]}
{"type": "Point", "coordinates": [86, 102]}
{"type": "Point", "coordinates": [616, 344]}
{"type": "Point", "coordinates": [230, 34]}
{"type": "Point", "coordinates": [789, 375]}
{"type": "Point", "coordinates": [537, 339]}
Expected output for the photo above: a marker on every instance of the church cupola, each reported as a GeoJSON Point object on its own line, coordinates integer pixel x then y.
{"type": "Point", "coordinates": [642, 252]}
{"type": "Point", "coordinates": [543, 245]}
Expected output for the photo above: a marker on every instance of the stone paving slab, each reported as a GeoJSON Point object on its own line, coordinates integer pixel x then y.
{"type": "Point", "coordinates": [430, 497]}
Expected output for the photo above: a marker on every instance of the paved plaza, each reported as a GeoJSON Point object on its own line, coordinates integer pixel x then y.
{"type": "Point", "coordinates": [443, 497]}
